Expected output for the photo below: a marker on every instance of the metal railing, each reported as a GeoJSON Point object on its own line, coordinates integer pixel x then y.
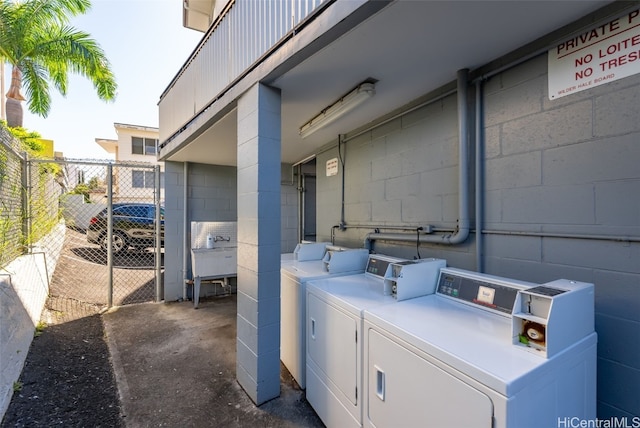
{"type": "Point", "coordinates": [243, 33]}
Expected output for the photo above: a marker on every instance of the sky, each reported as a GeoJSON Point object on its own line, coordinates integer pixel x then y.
{"type": "Point", "coordinates": [146, 45]}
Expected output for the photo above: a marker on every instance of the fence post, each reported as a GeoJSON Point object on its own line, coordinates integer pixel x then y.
{"type": "Point", "coordinates": [110, 234]}
{"type": "Point", "coordinates": [26, 205]}
{"type": "Point", "coordinates": [158, 232]}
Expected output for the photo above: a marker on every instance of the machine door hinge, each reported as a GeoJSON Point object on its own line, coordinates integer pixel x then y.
{"type": "Point", "coordinates": [356, 393]}
{"type": "Point", "coordinates": [356, 336]}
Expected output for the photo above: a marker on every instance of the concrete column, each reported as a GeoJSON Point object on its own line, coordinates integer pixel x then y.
{"type": "Point", "coordinates": [258, 337]}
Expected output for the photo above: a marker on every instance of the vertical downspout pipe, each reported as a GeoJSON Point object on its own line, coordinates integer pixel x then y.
{"type": "Point", "coordinates": [462, 232]}
{"type": "Point", "coordinates": [463, 159]}
{"type": "Point", "coordinates": [479, 175]}
{"type": "Point", "coordinates": [185, 232]}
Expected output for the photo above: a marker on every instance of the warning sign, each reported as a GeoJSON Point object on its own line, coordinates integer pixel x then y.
{"type": "Point", "coordinates": [332, 167]}
{"type": "Point", "coordinates": [601, 55]}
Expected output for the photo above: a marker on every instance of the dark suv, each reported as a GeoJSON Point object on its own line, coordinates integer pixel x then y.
{"type": "Point", "coordinates": [133, 226]}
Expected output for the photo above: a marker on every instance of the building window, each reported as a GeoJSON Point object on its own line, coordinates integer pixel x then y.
{"type": "Point", "coordinates": [142, 179]}
{"type": "Point", "coordinates": [143, 146]}
{"type": "Point", "coordinates": [145, 179]}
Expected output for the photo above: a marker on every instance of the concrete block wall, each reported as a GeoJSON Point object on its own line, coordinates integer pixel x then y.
{"type": "Point", "coordinates": [568, 166]}
{"type": "Point", "coordinates": [404, 173]}
{"type": "Point", "coordinates": [211, 197]}
{"type": "Point", "coordinates": [259, 242]}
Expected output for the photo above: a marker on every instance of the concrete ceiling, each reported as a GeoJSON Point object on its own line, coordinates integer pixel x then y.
{"type": "Point", "coordinates": [410, 48]}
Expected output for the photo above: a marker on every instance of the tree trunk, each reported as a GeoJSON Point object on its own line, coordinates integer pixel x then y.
{"type": "Point", "coordinates": [14, 112]}
{"type": "Point", "coordinates": [14, 99]}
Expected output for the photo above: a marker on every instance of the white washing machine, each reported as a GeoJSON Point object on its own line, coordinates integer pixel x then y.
{"type": "Point", "coordinates": [334, 331]}
{"type": "Point", "coordinates": [294, 274]}
{"type": "Point", "coordinates": [482, 352]}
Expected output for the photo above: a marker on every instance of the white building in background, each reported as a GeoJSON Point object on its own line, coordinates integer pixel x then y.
{"type": "Point", "coordinates": [135, 149]}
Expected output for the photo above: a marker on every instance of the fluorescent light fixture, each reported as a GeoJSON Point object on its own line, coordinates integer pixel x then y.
{"type": "Point", "coordinates": [338, 109]}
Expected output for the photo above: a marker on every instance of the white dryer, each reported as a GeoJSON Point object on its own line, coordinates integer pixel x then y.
{"type": "Point", "coordinates": [483, 351]}
{"type": "Point", "coordinates": [311, 261]}
{"type": "Point", "coordinates": [334, 331]}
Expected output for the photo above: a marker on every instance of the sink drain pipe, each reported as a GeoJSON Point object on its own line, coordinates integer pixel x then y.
{"type": "Point", "coordinates": [462, 230]}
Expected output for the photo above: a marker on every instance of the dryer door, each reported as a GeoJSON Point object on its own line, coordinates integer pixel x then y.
{"type": "Point", "coordinates": [332, 347]}
{"type": "Point", "coordinates": [404, 389]}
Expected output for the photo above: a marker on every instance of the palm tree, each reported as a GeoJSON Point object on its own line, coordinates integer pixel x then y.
{"type": "Point", "coordinates": [42, 48]}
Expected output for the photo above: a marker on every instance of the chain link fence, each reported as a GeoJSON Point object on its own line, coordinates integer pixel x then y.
{"type": "Point", "coordinates": [88, 204]}
{"type": "Point", "coordinates": [11, 199]}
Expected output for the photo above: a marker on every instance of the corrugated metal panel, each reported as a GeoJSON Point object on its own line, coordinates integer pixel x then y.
{"type": "Point", "coordinates": [245, 33]}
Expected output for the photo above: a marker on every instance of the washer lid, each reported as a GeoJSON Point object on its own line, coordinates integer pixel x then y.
{"type": "Point", "coordinates": [353, 293]}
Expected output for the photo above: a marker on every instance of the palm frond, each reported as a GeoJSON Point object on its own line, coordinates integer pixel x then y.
{"type": "Point", "coordinates": [59, 11]}
{"type": "Point", "coordinates": [69, 50]}
{"type": "Point", "coordinates": [35, 37]}
{"type": "Point", "coordinates": [36, 87]}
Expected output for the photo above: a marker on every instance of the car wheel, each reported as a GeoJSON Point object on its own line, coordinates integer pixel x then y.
{"type": "Point", "coordinates": [119, 242]}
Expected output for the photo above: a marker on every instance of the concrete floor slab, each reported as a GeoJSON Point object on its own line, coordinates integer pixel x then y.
{"type": "Point", "coordinates": [176, 366]}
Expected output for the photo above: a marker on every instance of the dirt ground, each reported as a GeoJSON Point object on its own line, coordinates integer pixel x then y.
{"type": "Point", "coordinates": [67, 379]}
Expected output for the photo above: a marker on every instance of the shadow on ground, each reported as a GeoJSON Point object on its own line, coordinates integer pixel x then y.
{"type": "Point", "coordinates": [129, 259]}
